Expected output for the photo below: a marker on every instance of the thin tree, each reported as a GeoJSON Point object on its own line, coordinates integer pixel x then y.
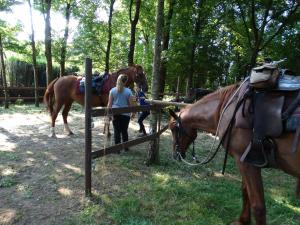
{"type": "Point", "coordinates": [107, 53]}
{"type": "Point", "coordinates": [154, 147]}
{"type": "Point", "coordinates": [65, 40]}
{"type": "Point", "coordinates": [165, 46]}
{"type": "Point", "coordinates": [3, 73]}
{"type": "Point", "coordinates": [34, 66]}
{"type": "Point", "coordinates": [196, 32]}
{"type": "Point", "coordinates": [46, 4]}
{"type": "Point", "coordinates": [133, 23]}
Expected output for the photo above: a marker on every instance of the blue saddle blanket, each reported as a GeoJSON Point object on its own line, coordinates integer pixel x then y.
{"type": "Point", "coordinates": [98, 82]}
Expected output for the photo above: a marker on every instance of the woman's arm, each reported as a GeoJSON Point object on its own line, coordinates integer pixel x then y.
{"type": "Point", "coordinates": [110, 101]}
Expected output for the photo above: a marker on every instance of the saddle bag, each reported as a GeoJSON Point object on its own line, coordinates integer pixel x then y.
{"type": "Point", "coordinates": [264, 77]}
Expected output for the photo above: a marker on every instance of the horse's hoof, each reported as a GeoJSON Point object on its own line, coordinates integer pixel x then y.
{"type": "Point", "coordinates": [52, 136]}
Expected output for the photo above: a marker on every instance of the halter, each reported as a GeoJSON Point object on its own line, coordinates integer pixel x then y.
{"type": "Point", "coordinates": [179, 134]}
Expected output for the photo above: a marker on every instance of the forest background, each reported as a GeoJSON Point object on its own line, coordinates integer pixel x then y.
{"type": "Point", "coordinates": [205, 43]}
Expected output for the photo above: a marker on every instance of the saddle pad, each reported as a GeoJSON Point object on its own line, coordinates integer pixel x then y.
{"type": "Point", "coordinates": [293, 122]}
{"type": "Point", "coordinates": [231, 107]}
{"type": "Point", "coordinates": [244, 119]}
{"type": "Point", "coordinates": [288, 83]}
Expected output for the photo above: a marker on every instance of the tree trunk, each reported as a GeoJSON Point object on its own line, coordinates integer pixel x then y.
{"type": "Point", "coordinates": [34, 67]}
{"type": "Point", "coordinates": [48, 52]}
{"type": "Point", "coordinates": [3, 73]}
{"type": "Point", "coordinates": [154, 145]}
{"type": "Point", "coordinates": [165, 46]}
{"type": "Point", "coordinates": [193, 50]}
{"type": "Point", "coordinates": [107, 54]}
{"type": "Point", "coordinates": [64, 42]}
{"type": "Point", "coordinates": [133, 23]}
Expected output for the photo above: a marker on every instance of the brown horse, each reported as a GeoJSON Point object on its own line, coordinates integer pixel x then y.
{"type": "Point", "coordinates": [205, 115]}
{"type": "Point", "coordinates": [63, 91]}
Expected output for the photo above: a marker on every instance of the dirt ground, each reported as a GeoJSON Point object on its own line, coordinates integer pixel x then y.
{"type": "Point", "coordinates": [42, 178]}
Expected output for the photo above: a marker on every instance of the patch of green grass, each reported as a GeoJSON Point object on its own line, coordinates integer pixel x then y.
{"type": "Point", "coordinates": [90, 215]}
{"type": "Point", "coordinates": [7, 181]}
{"type": "Point", "coordinates": [9, 156]}
{"type": "Point", "coordinates": [22, 108]}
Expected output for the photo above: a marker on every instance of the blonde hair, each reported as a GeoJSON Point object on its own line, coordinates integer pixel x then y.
{"type": "Point", "coordinates": [121, 81]}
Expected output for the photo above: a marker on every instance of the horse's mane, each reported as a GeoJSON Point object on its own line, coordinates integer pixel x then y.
{"type": "Point", "coordinates": [221, 93]}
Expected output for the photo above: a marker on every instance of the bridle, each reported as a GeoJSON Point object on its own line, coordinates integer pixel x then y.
{"type": "Point", "coordinates": [180, 132]}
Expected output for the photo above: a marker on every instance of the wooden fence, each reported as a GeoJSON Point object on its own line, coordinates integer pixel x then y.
{"type": "Point", "coordinates": [15, 93]}
{"type": "Point", "coordinates": [89, 113]}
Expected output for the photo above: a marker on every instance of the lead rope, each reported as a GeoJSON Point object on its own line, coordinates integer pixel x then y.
{"type": "Point", "coordinates": [210, 158]}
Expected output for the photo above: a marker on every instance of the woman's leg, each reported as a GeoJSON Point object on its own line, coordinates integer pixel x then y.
{"type": "Point", "coordinates": [142, 116]}
{"type": "Point", "coordinates": [124, 127]}
{"type": "Point", "coordinates": [117, 128]}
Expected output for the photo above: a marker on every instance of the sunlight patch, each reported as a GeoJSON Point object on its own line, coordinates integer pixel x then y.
{"type": "Point", "coordinates": [162, 177]}
{"type": "Point", "coordinates": [8, 172]}
{"type": "Point", "coordinates": [7, 216]}
{"type": "Point", "coordinates": [73, 168]}
{"type": "Point", "coordinates": [8, 147]}
{"type": "Point", "coordinates": [65, 191]}
{"type": "Point", "coordinates": [296, 209]}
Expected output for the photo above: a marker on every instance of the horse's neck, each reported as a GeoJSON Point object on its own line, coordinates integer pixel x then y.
{"type": "Point", "coordinates": [205, 113]}
{"type": "Point", "coordinates": [129, 72]}
{"type": "Point", "coordinates": [113, 78]}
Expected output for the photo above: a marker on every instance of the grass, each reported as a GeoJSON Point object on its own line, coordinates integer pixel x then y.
{"type": "Point", "coordinates": [7, 181]}
{"type": "Point", "coordinates": [174, 194]}
{"type": "Point", "coordinates": [170, 193]}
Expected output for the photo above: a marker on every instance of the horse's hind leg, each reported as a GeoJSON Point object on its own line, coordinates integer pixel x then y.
{"type": "Point", "coordinates": [254, 188]}
{"type": "Point", "coordinates": [65, 113]}
{"type": "Point", "coordinates": [54, 114]}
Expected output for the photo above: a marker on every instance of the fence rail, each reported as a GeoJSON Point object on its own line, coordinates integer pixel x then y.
{"type": "Point", "coordinates": [118, 147]}
{"type": "Point", "coordinates": [22, 88]}
{"type": "Point", "coordinates": [22, 93]}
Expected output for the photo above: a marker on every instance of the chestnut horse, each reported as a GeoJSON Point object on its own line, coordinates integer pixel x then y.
{"type": "Point", "coordinates": [205, 115]}
{"type": "Point", "coordinates": [63, 91]}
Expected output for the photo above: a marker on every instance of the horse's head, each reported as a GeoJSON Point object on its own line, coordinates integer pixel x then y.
{"type": "Point", "coordinates": [183, 135]}
{"type": "Point", "coordinates": [139, 77]}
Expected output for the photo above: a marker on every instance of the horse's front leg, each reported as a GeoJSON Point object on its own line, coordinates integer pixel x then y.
{"type": "Point", "coordinates": [252, 181]}
{"type": "Point", "coordinates": [245, 217]}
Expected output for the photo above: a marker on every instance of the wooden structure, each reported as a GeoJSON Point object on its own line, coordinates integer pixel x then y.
{"type": "Point", "coordinates": [16, 93]}
{"type": "Point", "coordinates": [155, 105]}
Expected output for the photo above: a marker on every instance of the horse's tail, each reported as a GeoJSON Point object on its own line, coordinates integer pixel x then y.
{"type": "Point", "coordinates": [49, 96]}
{"type": "Point", "coordinates": [298, 188]}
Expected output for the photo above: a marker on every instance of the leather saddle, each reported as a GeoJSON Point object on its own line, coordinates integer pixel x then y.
{"type": "Point", "coordinates": [269, 113]}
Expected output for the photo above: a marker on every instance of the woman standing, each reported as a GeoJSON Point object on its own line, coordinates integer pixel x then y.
{"type": "Point", "coordinates": [120, 96]}
{"type": "Point", "coordinates": [140, 96]}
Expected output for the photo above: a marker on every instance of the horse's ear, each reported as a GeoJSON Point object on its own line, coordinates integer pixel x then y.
{"type": "Point", "coordinates": [173, 114]}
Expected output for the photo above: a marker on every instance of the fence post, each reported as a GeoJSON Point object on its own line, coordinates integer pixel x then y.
{"type": "Point", "coordinates": [88, 130]}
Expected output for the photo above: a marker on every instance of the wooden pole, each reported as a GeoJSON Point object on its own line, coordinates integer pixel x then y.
{"type": "Point", "coordinates": [88, 129]}
{"type": "Point", "coordinates": [177, 89]}
{"type": "Point", "coordinates": [163, 103]}
{"type": "Point", "coordinates": [6, 104]}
